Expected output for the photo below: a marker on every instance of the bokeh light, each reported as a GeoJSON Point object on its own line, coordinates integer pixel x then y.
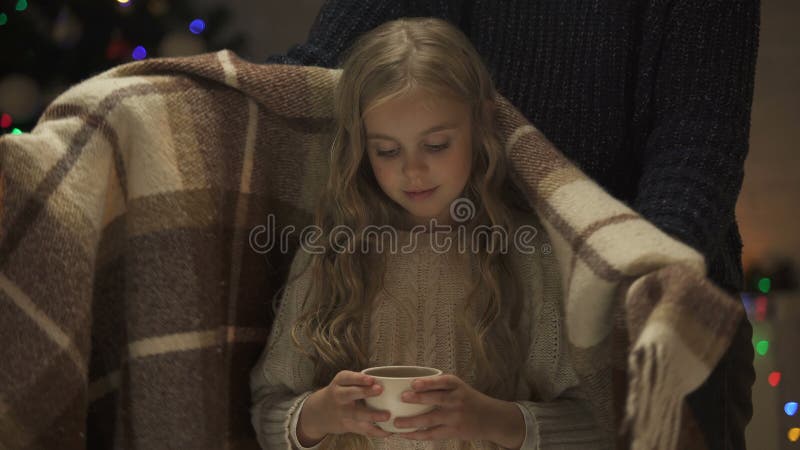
{"type": "Point", "coordinates": [6, 120]}
{"type": "Point", "coordinates": [761, 308]}
{"type": "Point", "coordinates": [22, 5]}
{"type": "Point", "coordinates": [762, 347]}
{"type": "Point", "coordinates": [764, 285]}
{"type": "Point", "coordinates": [790, 408]}
{"type": "Point", "coordinates": [158, 7]}
{"type": "Point", "coordinates": [139, 53]}
{"type": "Point", "coordinates": [794, 434]}
{"type": "Point", "coordinates": [16, 131]}
{"type": "Point", "coordinates": [774, 378]}
{"type": "Point", "coordinates": [197, 26]}
{"type": "Point", "coordinates": [3, 19]}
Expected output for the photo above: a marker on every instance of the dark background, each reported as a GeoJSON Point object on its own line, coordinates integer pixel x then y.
{"type": "Point", "coordinates": [46, 46]}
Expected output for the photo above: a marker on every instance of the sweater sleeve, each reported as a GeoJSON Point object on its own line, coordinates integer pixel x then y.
{"type": "Point", "coordinates": [701, 59]}
{"type": "Point", "coordinates": [281, 380]}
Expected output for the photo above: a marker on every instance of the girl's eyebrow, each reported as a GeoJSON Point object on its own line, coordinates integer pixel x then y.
{"type": "Point", "coordinates": [444, 126]}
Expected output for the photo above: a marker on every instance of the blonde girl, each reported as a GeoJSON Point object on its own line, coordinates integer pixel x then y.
{"type": "Point", "coordinates": [415, 143]}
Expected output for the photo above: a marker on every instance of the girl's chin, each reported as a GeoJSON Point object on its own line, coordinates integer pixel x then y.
{"type": "Point", "coordinates": [427, 220]}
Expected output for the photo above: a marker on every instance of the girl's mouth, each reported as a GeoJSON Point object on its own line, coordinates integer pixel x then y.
{"type": "Point", "coordinates": [420, 195]}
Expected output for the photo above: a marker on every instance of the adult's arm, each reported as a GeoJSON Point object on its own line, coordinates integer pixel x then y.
{"type": "Point", "coordinates": [701, 57]}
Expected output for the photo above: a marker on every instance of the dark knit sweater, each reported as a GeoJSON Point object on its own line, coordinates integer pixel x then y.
{"type": "Point", "coordinates": [651, 98]}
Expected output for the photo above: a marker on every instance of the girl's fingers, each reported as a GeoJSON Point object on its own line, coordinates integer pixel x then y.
{"type": "Point", "coordinates": [363, 420]}
{"type": "Point", "coordinates": [348, 394]}
{"type": "Point", "coordinates": [364, 414]}
{"type": "Point", "coordinates": [439, 382]}
{"type": "Point", "coordinates": [441, 398]}
{"type": "Point", "coordinates": [375, 431]}
{"type": "Point", "coordinates": [348, 378]}
{"type": "Point", "coordinates": [426, 420]}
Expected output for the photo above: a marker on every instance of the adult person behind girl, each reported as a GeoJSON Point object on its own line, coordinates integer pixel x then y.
{"type": "Point", "coordinates": [414, 112]}
{"type": "Point", "coordinates": [650, 98]}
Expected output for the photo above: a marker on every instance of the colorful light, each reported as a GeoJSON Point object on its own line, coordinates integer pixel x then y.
{"type": "Point", "coordinates": [16, 131]}
{"type": "Point", "coordinates": [197, 26]}
{"type": "Point", "coordinates": [790, 408]}
{"type": "Point", "coordinates": [747, 301]}
{"type": "Point", "coordinates": [117, 48]}
{"type": "Point", "coordinates": [762, 347]}
{"type": "Point", "coordinates": [6, 120]}
{"type": "Point", "coordinates": [124, 2]}
{"type": "Point", "coordinates": [3, 19]}
{"type": "Point", "coordinates": [139, 53]}
{"type": "Point", "coordinates": [761, 308]}
{"type": "Point", "coordinates": [764, 285]}
{"type": "Point", "coordinates": [794, 434]}
{"type": "Point", "coordinates": [22, 5]}
{"type": "Point", "coordinates": [158, 7]}
{"type": "Point", "coordinates": [774, 378]}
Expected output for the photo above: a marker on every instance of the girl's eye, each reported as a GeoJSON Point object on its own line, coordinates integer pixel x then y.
{"type": "Point", "coordinates": [438, 148]}
{"type": "Point", "coordinates": [386, 153]}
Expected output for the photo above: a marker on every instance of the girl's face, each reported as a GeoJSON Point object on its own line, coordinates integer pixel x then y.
{"type": "Point", "coordinates": [417, 142]}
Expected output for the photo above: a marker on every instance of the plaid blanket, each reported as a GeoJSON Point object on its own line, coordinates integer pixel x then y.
{"type": "Point", "coordinates": [134, 298]}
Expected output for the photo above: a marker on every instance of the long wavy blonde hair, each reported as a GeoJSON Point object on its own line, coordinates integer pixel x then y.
{"type": "Point", "coordinates": [382, 64]}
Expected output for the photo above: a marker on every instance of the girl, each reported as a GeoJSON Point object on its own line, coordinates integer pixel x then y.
{"type": "Point", "coordinates": [415, 146]}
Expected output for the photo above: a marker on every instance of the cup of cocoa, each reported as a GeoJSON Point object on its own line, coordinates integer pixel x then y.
{"type": "Point", "coordinates": [395, 380]}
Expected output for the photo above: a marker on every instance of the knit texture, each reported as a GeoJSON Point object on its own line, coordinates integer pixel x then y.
{"type": "Point", "coordinates": [136, 260]}
{"type": "Point", "coordinates": [650, 98]}
{"type": "Point", "coordinates": [413, 323]}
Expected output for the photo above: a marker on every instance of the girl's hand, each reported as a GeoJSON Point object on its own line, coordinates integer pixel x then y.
{"type": "Point", "coordinates": [342, 408]}
{"type": "Point", "coordinates": [461, 411]}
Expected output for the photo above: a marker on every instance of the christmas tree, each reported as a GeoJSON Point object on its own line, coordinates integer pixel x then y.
{"type": "Point", "coordinates": [49, 46]}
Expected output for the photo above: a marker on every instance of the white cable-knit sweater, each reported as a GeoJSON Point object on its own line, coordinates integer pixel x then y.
{"type": "Point", "coordinates": [413, 324]}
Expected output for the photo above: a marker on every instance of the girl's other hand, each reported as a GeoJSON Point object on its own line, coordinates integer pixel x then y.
{"type": "Point", "coordinates": [340, 408]}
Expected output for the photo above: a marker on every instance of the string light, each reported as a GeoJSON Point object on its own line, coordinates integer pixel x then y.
{"type": "Point", "coordinates": [16, 131]}
{"type": "Point", "coordinates": [794, 434]}
{"type": "Point", "coordinates": [197, 26]}
{"type": "Point", "coordinates": [139, 53]}
{"type": "Point", "coordinates": [761, 308]}
{"type": "Point", "coordinates": [790, 408]}
{"type": "Point", "coordinates": [117, 48]}
{"type": "Point", "coordinates": [6, 120]}
{"type": "Point", "coordinates": [774, 378]}
{"type": "Point", "coordinates": [748, 302]}
{"type": "Point", "coordinates": [3, 19]}
{"type": "Point", "coordinates": [762, 347]}
{"type": "Point", "coordinates": [158, 7]}
{"type": "Point", "coordinates": [764, 285]}
{"type": "Point", "coordinates": [22, 5]}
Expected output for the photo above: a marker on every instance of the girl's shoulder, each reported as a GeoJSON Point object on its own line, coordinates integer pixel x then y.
{"type": "Point", "coordinates": [300, 266]}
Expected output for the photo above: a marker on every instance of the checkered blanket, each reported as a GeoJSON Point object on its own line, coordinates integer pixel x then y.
{"type": "Point", "coordinates": [134, 297]}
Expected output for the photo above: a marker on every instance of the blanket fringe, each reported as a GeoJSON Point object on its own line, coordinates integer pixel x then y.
{"type": "Point", "coordinates": [654, 404]}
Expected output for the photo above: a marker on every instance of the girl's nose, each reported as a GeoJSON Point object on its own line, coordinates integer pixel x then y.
{"type": "Point", "coordinates": [414, 166]}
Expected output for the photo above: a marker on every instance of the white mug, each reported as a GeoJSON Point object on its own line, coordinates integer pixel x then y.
{"type": "Point", "coordinates": [395, 380]}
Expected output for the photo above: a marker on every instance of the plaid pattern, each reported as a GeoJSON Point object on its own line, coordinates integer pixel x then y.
{"type": "Point", "coordinates": [133, 304]}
